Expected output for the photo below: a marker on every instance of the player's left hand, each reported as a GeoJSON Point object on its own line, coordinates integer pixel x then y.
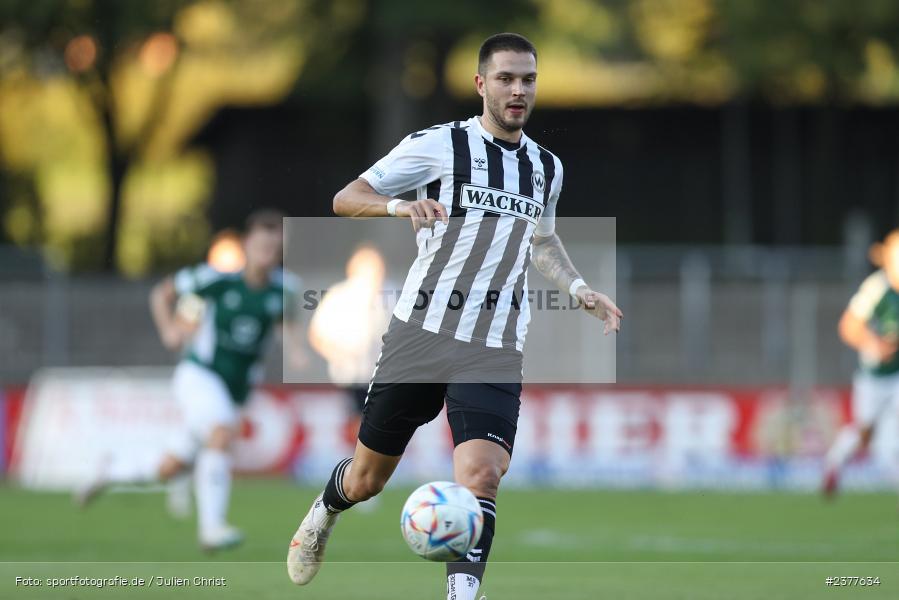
{"type": "Point", "coordinates": [600, 306]}
{"type": "Point", "coordinates": [423, 213]}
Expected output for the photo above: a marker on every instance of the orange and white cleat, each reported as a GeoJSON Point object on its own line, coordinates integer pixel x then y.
{"type": "Point", "coordinates": [307, 548]}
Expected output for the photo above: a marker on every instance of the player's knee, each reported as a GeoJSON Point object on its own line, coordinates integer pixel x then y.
{"type": "Point", "coordinates": [482, 479]}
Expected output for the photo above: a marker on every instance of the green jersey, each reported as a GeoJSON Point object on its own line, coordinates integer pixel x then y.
{"type": "Point", "coordinates": [236, 323]}
{"type": "Point", "coordinates": [877, 304]}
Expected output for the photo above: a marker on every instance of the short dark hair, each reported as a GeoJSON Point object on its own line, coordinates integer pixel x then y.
{"type": "Point", "coordinates": [266, 218]}
{"type": "Point", "coordinates": [500, 42]}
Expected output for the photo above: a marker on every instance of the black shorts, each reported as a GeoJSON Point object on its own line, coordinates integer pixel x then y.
{"type": "Point", "coordinates": [419, 371]}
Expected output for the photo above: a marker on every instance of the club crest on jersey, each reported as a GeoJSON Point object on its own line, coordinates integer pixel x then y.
{"type": "Point", "coordinates": [538, 181]}
{"type": "Point", "coordinates": [501, 202]}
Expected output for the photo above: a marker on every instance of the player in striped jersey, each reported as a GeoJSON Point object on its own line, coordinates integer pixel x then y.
{"type": "Point", "coordinates": [486, 207]}
{"type": "Point", "coordinates": [870, 325]}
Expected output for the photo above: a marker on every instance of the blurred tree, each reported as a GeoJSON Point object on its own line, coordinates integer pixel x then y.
{"type": "Point", "coordinates": [407, 52]}
{"type": "Point", "coordinates": [609, 52]}
{"type": "Point", "coordinates": [100, 98]}
{"type": "Point", "coordinates": [128, 84]}
{"type": "Point", "coordinates": [813, 50]}
{"type": "Point", "coordinates": [614, 52]}
{"type": "Point", "coordinates": [728, 54]}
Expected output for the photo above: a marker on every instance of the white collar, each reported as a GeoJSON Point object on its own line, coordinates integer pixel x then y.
{"type": "Point", "coordinates": [490, 138]}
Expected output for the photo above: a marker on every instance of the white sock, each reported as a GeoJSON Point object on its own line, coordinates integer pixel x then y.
{"type": "Point", "coordinates": [133, 469]}
{"type": "Point", "coordinates": [213, 488]}
{"type": "Point", "coordinates": [178, 495]}
{"type": "Point", "coordinates": [844, 447]}
{"type": "Point", "coordinates": [460, 586]}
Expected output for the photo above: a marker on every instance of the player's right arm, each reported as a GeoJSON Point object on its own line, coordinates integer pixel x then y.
{"type": "Point", "coordinates": [414, 163]}
{"type": "Point", "coordinates": [358, 199]}
{"type": "Point", "coordinates": [200, 282]}
{"type": "Point", "coordinates": [856, 334]}
{"type": "Point", "coordinates": [163, 299]}
{"type": "Point", "coordinates": [854, 328]}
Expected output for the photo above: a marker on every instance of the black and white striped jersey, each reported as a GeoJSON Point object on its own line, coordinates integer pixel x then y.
{"type": "Point", "coordinates": [469, 279]}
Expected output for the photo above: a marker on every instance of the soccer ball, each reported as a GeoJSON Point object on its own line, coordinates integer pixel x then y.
{"type": "Point", "coordinates": [442, 521]}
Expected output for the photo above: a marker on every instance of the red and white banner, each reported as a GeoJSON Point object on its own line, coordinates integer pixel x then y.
{"type": "Point", "coordinates": [73, 419]}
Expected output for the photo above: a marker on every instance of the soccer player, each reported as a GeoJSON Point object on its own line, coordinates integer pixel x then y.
{"type": "Point", "coordinates": [215, 376]}
{"type": "Point", "coordinates": [486, 206]}
{"type": "Point", "coordinates": [870, 325]}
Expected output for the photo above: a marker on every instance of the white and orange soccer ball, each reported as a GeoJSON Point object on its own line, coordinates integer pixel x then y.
{"type": "Point", "coordinates": [442, 521]}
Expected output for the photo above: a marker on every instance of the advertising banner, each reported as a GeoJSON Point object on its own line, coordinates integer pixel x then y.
{"type": "Point", "coordinates": [754, 438]}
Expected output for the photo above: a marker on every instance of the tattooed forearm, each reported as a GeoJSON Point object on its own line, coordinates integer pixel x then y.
{"type": "Point", "coordinates": [552, 261]}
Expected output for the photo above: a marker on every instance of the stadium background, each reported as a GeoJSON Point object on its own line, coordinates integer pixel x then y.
{"type": "Point", "coordinates": [746, 150]}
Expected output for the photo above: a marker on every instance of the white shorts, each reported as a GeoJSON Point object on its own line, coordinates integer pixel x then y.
{"type": "Point", "coordinates": [872, 396]}
{"type": "Point", "coordinates": [205, 403]}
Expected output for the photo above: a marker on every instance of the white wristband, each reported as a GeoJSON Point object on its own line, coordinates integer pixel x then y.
{"type": "Point", "coordinates": [572, 290]}
{"type": "Point", "coordinates": [391, 206]}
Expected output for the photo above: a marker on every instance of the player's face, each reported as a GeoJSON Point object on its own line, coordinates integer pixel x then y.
{"type": "Point", "coordinates": [263, 247]}
{"type": "Point", "coordinates": [509, 88]}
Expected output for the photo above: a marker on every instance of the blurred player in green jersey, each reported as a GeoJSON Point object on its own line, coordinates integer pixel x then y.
{"type": "Point", "coordinates": [221, 359]}
{"type": "Point", "coordinates": [870, 325]}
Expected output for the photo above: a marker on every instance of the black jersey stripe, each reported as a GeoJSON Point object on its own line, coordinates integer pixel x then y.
{"type": "Point", "coordinates": [525, 188]}
{"type": "Point", "coordinates": [510, 333]}
{"type": "Point", "coordinates": [525, 172]}
{"type": "Point", "coordinates": [490, 308]}
{"type": "Point", "coordinates": [461, 176]}
{"type": "Point", "coordinates": [496, 176]}
{"type": "Point", "coordinates": [418, 134]}
{"type": "Point", "coordinates": [510, 255]}
{"type": "Point", "coordinates": [474, 262]}
{"type": "Point", "coordinates": [433, 190]}
{"type": "Point", "coordinates": [549, 172]}
{"type": "Point", "coordinates": [461, 172]}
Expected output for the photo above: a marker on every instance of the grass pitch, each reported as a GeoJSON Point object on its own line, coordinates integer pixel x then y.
{"type": "Point", "coordinates": [549, 544]}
